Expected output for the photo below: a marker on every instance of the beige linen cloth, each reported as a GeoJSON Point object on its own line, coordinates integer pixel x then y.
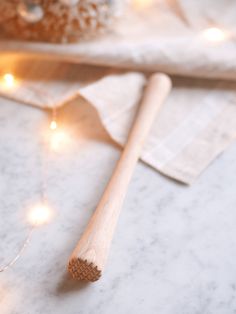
{"type": "Point", "coordinates": [198, 120]}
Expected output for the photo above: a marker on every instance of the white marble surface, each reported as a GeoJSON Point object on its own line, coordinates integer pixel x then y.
{"type": "Point", "coordinates": [175, 246]}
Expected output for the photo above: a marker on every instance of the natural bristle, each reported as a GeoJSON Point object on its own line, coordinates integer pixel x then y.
{"type": "Point", "coordinates": [83, 270]}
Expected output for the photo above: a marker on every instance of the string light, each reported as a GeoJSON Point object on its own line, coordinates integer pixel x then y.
{"type": "Point", "coordinates": [53, 125]}
{"type": "Point", "coordinates": [8, 80]}
{"type": "Point", "coordinates": [19, 254]}
{"type": "Point", "coordinates": [58, 138]}
{"type": "Point", "coordinates": [215, 34]}
{"type": "Point", "coordinates": [142, 4]}
{"type": "Point", "coordinates": [39, 215]}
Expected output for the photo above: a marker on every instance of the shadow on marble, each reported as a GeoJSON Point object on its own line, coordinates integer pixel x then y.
{"type": "Point", "coordinates": [67, 285]}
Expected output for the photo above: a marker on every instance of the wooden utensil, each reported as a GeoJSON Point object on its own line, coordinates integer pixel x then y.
{"type": "Point", "coordinates": [88, 259]}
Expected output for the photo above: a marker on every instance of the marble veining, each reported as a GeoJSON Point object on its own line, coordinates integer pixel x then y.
{"type": "Point", "coordinates": [175, 246]}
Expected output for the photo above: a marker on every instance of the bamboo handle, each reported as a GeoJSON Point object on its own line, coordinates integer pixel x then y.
{"type": "Point", "coordinates": [88, 259]}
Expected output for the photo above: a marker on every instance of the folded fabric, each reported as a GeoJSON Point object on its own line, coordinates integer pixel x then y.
{"type": "Point", "coordinates": [196, 124]}
{"type": "Point", "coordinates": [167, 37]}
{"type": "Point", "coordinates": [203, 13]}
{"type": "Point", "coordinates": [198, 120]}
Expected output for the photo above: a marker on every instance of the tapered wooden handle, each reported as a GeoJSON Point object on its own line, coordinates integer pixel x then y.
{"type": "Point", "coordinates": [88, 259]}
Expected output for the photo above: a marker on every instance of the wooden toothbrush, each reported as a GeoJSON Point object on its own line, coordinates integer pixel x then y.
{"type": "Point", "coordinates": [89, 257]}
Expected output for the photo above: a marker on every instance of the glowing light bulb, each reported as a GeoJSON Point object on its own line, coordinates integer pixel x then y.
{"type": "Point", "coordinates": [39, 214]}
{"type": "Point", "coordinates": [8, 80]}
{"type": "Point", "coordinates": [215, 34]}
{"type": "Point", "coordinates": [142, 4]}
{"type": "Point", "coordinates": [58, 138]}
{"type": "Point", "coordinates": [53, 125]}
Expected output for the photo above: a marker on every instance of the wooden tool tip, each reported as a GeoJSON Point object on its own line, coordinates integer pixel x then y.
{"type": "Point", "coordinates": [83, 270]}
{"type": "Point", "coordinates": [161, 77]}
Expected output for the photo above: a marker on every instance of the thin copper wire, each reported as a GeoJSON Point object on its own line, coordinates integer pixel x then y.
{"type": "Point", "coordinates": [19, 254]}
{"type": "Point", "coordinates": [43, 198]}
